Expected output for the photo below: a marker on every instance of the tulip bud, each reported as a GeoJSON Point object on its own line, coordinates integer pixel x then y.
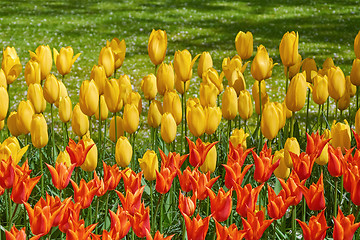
{"type": "Point", "coordinates": [36, 97]}
{"type": "Point", "coordinates": [213, 118]}
{"type": "Point", "coordinates": [281, 114]}
{"type": "Point", "coordinates": [65, 109]}
{"type": "Point", "coordinates": [165, 78]}
{"type": "Point", "coordinates": [62, 93]}
{"type": "Point", "coordinates": [357, 45]}
{"type": "Point", "coordinates": [119, 128]}
{"type": "Point", "coordinates": [183, 65]}
{"type": "Point", "coordinates": [195, 120]}
{"type": "Point", "coordinates": [99, 76]}
{"type": "Point", "coordinates": [64, 157]}
{"type": "Point", "coordinates": [294, 69]}
{"type": "Point", "coordinates": [261, 65]}
{"type": "Point", "coordinates": [130, 118]}
{"type": "Point", "coordinates": [244, 44]}
{"type": "Point", "coordinates": [291, 145]}
{"type": "Point", "coordinates": [157, 46]}
{"type": "Point", "coordinates": [64, 60]}
{"type": "Point", "coordinates": [296, 93]}
{"type": "Point", "coordinates": [3, 82]}
{"type": "Point", "coordinates": [282, 171]}
{"type": "Point", "coordinates": [106, 59]}
{"type": "Point", "coordinates": [172, 104]}
{"type": "Point", "coordinates": [123, 152]}
{"type": "Point", "coordinates": [229, 104]}
{"type": "Point", "coordinates": [289, 48]}
{"type": "Point", "coordinates": [350, 88]}
{"type": "Point", "coordinates": [320, 89]}
{"type": "Point", "coordinates": [237, 81]}
{"type": "Point", "coordinates": [24, 115]}
{"type": "Point", "coordinates": [148, 86]}
{"type": "Point", "coordinates": [179, 85]}
{"type": "Point", "coordinates": [11, 64]}
{"type": "Point", "coordinates": [337, 84]}
{"type": "Point", "coordinates": [355, 72]}
{"type": "Point", "coordinates": [112, 95]}
{"type": "Point", "coordinates": [357, 121]}
{"type": "Point", "coordinates": [208, 94]}
{"type": "Point", "coordinates": [341, 135]}
{"type": "Point", "coordinates": [43, 56]}
{"type": "Point", "coordinates": [269, 121]}
{"type": "Point", "coordinates": [4, 103]}
{"type": "Point", "coordinates": [79, 122]}
{"type": "Point", "coordinates": [39, 131]}
{"type": "Point", "coordinates": [12, 124]}
{"type": "Point", "coordinates": [209, 164]}
{"type": "Point", "coordinates": [89, 97]}
{"type": "Point", "coordinates": [154, 114]}
{"type": "Point", "coordinates": [168, 127]}
{"type": "Point", "coordinates": [32, 72]}
{"type": "Point", "coordinates": [288, 113]}
{"type": "Point", "coordinates": [125, 87]}
{"type": "Point", "coordinates": [212, 76]}
{"type": "Point", "coordinates": [309, 65]}
{"type": "Point", "coordinates": [205, 62]}
{"type": "Point", "coordinates": [238, 137]}
{"type": "Point", "coordinates": [135, 98]}
{"type": "Point", "coordinates": [324, 156]}
{"type": "Point", "coordinates": [104, 111]}
{"type": "Point", "coordinates": [229, 66]}
{"type": "Point", "coordinates": [51, 89]}
{"type": "Point", "coordinates": [245, 107]}
{"type": "Point", "coordinates": [118, 48]}
{"type": "Point", "coordinates": [149, 164]}
{"type": "Point", "coordinates": [344, 102]}
{"type": "Point", "coordinates": [91, 159]}
{"type": "Point", "coordinates": [328, 63]}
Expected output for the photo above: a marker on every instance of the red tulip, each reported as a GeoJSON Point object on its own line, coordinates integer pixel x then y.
{"type": "Point", "coordinates": [230, 233]}
{"type": "Point", "coordinates": [314, 195]}
{"type": "Point", "coordinates": [278, 204]}
{"type": "Point", "coordinates": [112, 176]}
{"type": "Point", "coordinates": [131, 202]}
{"type": "Point", "coordinates": [246, 198]}
{"type": "Point", "coordinates": [221, 204]}
{"type": "Point", "coordinates": [234, 175]}
{"type": "Point", "coordinates": [344, 227]}
{"type": "Point", "coordinates": [255, 225]}
{"type": "Point", "coordinates": [187, 205]}
{"type": "Point", "coordinates": [77, 152]}
{"type": "Point", "coordinates": [198, 151]}
{"type": "Point", "coordinates": [132, 181]}
{"type": "Point", "coordinates": [85, 193]}
{"type": "Point", "coordinates": [303, 164]}
{"type": "Point", "coordinates": [201, 183]}
{"type": "Point", "coordinates": [335, 164]}
{"type": "Point", "coordinates": [164, 180]}
{"type": "Point", "coordinates": [264, 166]}
{"type": "Point", "coordinates": [140, 221]}
{"type": "Point", "coordinates": [196, 228]}
{"type": "Point", "coordinates": [316, 230]}
{"type": "Point", "coordinates": [61, 174]}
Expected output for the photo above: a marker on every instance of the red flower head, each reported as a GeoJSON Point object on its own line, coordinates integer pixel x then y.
{"type": "Point", "coordinates": [164, 180]}
{"type": "Point", "coordinates": [187, 205]}
{"type": "Point", "coordinates": [120, 224]}
{"type": "Point", "coordinates": [336, 161]}
{"type": "Point", "coordinates": [61, 174]}
{"type": "Point", "coordinates": [173, 160]}
{"type": "Point", "coordinates": [234, 175]}
{"type": "Point", "coordinates": [316, 230]}
{"type": "Point", "coordinates": [85, 193]}
{"type": "Point", "coordinates": [314, 195]}
{"type": "Point", "coordinates": [303, 164]}
{"type": "Point", "coordinates": [23, 186]}
{"type": "Point", "coordinates": [278, 204]}
{"type": "Point", "coordinates": [344, 227]}
{"type": "Point", "coordinates": [263, 165]}
{"type": "Point", "coordinates": [7, 173]}
{"type": "Point", "coordinates": [230, 233]}
{"type": "Point", "coordinates": [315, 144]}
{"type": "Point", "coordinates": [246, 198]}
{"type": "Point", "coordinates": [197, 227]}
{"type": "Point", "coordinates": [255, 225]}
{"type": "Point", "coordinates": [140, 221]}
{"type": "Point", "coordinates": [77, 152]}
{"type": "Point", "coordinates": [131, 202]}
{"type": "Point", "coordinates": [221, 205]}
{"type": "Point", "coordinates": [158, 236]}
{"type": "Point", "coordinates": [112, 176]}
{"type": "Point", "coordinates": [200, 184]}
{"type": "Point", "coordinates": [132, 181]}
{"type": "Point", "coordinates": [291, 188]}
{"type": "Point", "coordinates": [237, 154]}
{"type": "Point", "coordinates": [198, 151]}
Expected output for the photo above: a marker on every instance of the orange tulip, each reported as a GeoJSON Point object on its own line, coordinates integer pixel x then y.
{"type": "Point", "coordinates": [60, 174]}
{"type": "Point", "coordinates": [7, 173]}
{"type": "Point", "coordinates": [302, 164]}
{"type": "Point", "coordinates": [185, 178]}
{"type": "Point", "coordinates": [247, 198]}
{"type": "Point", "coordinates": [187, 205]}
{"type": "Point", "coordinates": [230, 233]}
{"type": "Point", "coordinates": [16, 234]}
{"type": "Point", "coordinates": [84, 194]}
{"type": "Point", "coordinates": [315, 143]}
{"type": "Point", "coordinates": [77, 230]}
{"type": "Point", "coordinates": [316, 230]}
{"type": "Point", "coordinates": [112, 175]}
{"type": "Point", "coordinates": [132, 180]}
{"type": "Point", "coordinates": [314, 195]}
{"type": "Point", "coordinates": [291, 188]}
{"type": "Point", "coordinates": [120, 224]}
{"type": "Point", "coordinates": [77, 152]}
{"type": "Point", "coordinates": [22, 188]}
{"type": "Point", "coordinates": [201, 184]}
{"type": "Point", "coordinates": [278, 204]}
{"type": "Point", "coordinates": [140, 221]}
{"type": "Point", "coordinates": [198, 151]}
{"type": "Point", "coordinates": [264, 166]}
{"type": "Point", "coordinates": [164, 179]}
{"type": "Point", "coordinates": [234, 175]}
{"type": "Point", "coordinates": [221, 204]}
{"type": "Point", "coordinates": [173, 160]}
{"type": "Point", "coordinates": [255, 225]}
{"type": "Point", "coordinates": [335, 164]}
{"type": "Point", "coordinates": [158, 236]}
{"type": "Point", "coordinates": [344, 227]}
{"type": "Point", "coordinates": [132, 201]}
{"type": "Point", "coordinates": [196, 228]}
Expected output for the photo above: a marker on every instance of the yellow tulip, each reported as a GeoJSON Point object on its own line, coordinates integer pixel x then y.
{"type": "Point", "coordinates": [154, 114]}
{"type": "Point", "coordinates": [148, 86]}
{"type": "Point", "coordinates": [205, 62]}
{"type": "Point", "coordinates": [341, 135]}
{"type": "Point", "coordinates": [43, 56]}
{"type": "Point", "coordinates": [4, 103]}
{"type": "Point", "coordinates": [209, 164]}
{"type": "Point", "coordinates": [65, 109]}
{"type": "Point", "coordinates": [294, 69]}
{"type": "Point", "coordinates": [39, 131]}
{"type": "Point", "coordinates": [112, 95]}
{"type": "Point", "coordinates": [357, 45]}
{"type": "Point", "coordinates": [172, 104]}
{"type": "Point", "coordinates": [64, 157]}
{"type": "Point", "coordinates": [289, 48]}
{"type": "Point", "coordinates": [62, 93]}
{"type": "Point", "coordinates": [91, 159]}
{"type": "Point", "coordinates": [11, 64]}
{"type": "Point", "coordinates": [135, 98]}
{"type": "Point", "coordinates": [344, 101]}
{"type": "Point", "coordinates": [212, 76]}
{"type": "Point", "coordinates": [149, 165]}
{"type": "Point", "coordinates": [337, 84]}
{"type": "Point", "coordinates": [255, 95]}
{"type": "Point", "coordinates": [2, 124]}
{"type": "Point", "coordinates": [357, 121]}
{"type": "Point", "coordinates": [282, 171]}
{"type": "Point", "coordinates": [320, 90]}
{"type": "Point", "coordinates": [324, 156]}
{"type": "Point", "coordinates": [11, 147]}
{"type": "Point", "coordinates": [245, 106]}
{"type": "Point", "coordinates": [118, 49]}
{"type": "Point", "coordinates": [12, 124]}
{"type": "Point", "coordinates": [327, 134]}
{"type": "Point", "coordinates": [191, 102]}
{"type": "Point", "coordinates": [168, 127]}
{"type": "Point", "coordinates": [104, 111]}
{"type": "Point", "coordinates": [350, 88]}
{"type": "Point", "coordinates": [64, 60]}
{"type": "Point", "coordinates": [269, 121]}
{"type": "Point", "coordinates": [165, 78]}
{"type": "Point", "coordinates": [238, 137]}
{"type": "Point", "coordinates": [213, 118]}
{"type": "Point", "coordinates": [125, 87]}
{"type": "Point", "coordinates": [229, 105]}
{"type": "Point", "coordinates": [123, 152]}
{"type": "Point", "coordinates": [106, 59]}
{"type": "Point", "coordinates": [244, 44]}
{"type": "Point", "coordinates": [179, 85]}
{"type": "Point", "coordinates": [157, 46]}
{"type": "Point", "coordinates": [119, 128]}
{"type": "Point", "coordinates": [130, 118]}
{"type": "Point", "coordinates": [261, 65]}
{"type": "Point", "coordinates": [237, 81]}
{"type": "Point", "coordinates": [328, 63]}
{"type": "Point", "coordinates": [3, 82]}
{"type": "Point", "coordinates": [36, 97]}
{"type": "Point", "coordinates": [208, 94]}
{"type": "Point", "coordinates": [89, 97]}
{"type": "Point", "coordinates": [228, 66]}
{"type": "Point", "coordinates": [195, 120]}
{"type": "Point", "coordinates": [288, 113]}
{"type": "Point", "coordinates": [99, 76]}
{"type": "Point", "coordinates": [291, 145]}
{"type": "Point", "coordinates": [183, 64]}
{"type": "Point", "coordinates": [355, 72]}
{"type": "Point", "coordinates": [79, 122]}
{"type": "Point", "coordinates": [32, 72]}
{"type": "Point", "coordinates": [296, 93]}
{"type": "Point", "coordinates": [309, 65]}
{"type": "Point", "coordinates": [281, 114]}
{"type": "Point", "coordinates": [51, 89]}
{"type": "Point", "coordinates": [24, 116]}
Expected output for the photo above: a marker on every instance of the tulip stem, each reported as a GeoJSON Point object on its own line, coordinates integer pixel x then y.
{"type": "Point", "coordinates": [158, 204]}
{"type": "Point", "coordinates": [307, 112]}
{"type": "Point", "coordinates": [64, 136]}
{"type": "Point", "coordinates": [42, 173]}
{"type": "Point", "coordinates": [293, 223]}
{"type": "Point", "coordinates": [99, 132]}
{"type": "Point", "coordinates": [336, 109]}
{"type": "Point", "coordinates": [8, 112]}
{"type": "Point", "coordinates": [292, 123]}
{"type": "Point", "coordinates": [151, 207]}
{"type": "Point", "coordinates": [303, 210]}
{"type": "Point", "coordinates": [161, 213]}
{"type": "Point", "coordinates": [52, 133]}
{"type": "Point", "coordinates": [327, 108]}
{"type": "Point", "coordinates": [9, 209]}
{"type": "Point", "coordinates": [357, 98]}
{"type": "Point", "coordinates": [228, 137]}
{"type": "Point", "coordinates": [115, 131]}
{"type": "Point", "coordinates": [96, 212]}
{"type": "Point", "coordinates": [106, 209]}
{"type": "Point", "coordinates": [182, 125]}
{"type": "Point", "coordinates": [183, 237]}
{"type": "Point", "coordinates": [259, 123]}
{"type": "Point", "coordinates": [318, 119]}
{"type": "Point", "coordinates": [184, 113]}
{"type": "Point", "coordinates": [336, 197]}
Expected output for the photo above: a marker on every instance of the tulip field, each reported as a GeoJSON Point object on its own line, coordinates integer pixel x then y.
{"type": "Point", "coordinates": [190, 120]}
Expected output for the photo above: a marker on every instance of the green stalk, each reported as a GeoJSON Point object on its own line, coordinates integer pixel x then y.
{"type": "Point", "coordinates": [106, 209]}
{"type": "Point", "coordinates": [67, 133]}
{"type": "Point", "coordinates": [336, 197]}
{"type": "Point", "coordinates": [42, 173]}
{"type": "Point", "coordinates": [52, 133]}
{"type": "Point", "coordinates": [228, 137]}
{"type": "Point", "coordinates": [103, 152]}
{"type": "Point", "coordinates": [96, 212]}
{"type": "Point", "coordinates": [183, 230]}
{"type": "Point", "coordinates": [8, 112]}
{"type": "Point", "coordinates": [9, 208]}
{"type": "Point", "coordinates": [303, 210]}
{"type": "Point", "coordinates": [260, 133]}
{"type": "Point", "coordinates": [161, 214]}
{"type": "Point", "coordinates": [64, 136]}
{"type": "Point", "coordinates": [184, 112]}
{"type": "Point", "coordinates": [357, 98]}
{"type": "Point", "coordinates": [115, 131]}
{"type": "Point", "coordinates": [99, 132]}
{"type": "Point", "coordinates": [327, 108]}
{"type": "Point", "coordinates": [321, 118]}
{"type": "Point", "coordinates": [245, 125]}
{"type": "Point", "coordinates": [132, 137]}
{"type": "Point", "coordinates": [318, 118]}
{"type": "Point", "coordinates": [307, 111]}
{"type": "Point", "coordinates": [336, 109]}
{"type": "Point", "coordinates": [292, 123]}
{"type": "Point", "coordinates": [151, 208]}
{"type": "Point", "coordinates": [293, 223]}
{"type": "Point", "coordinates": [182, 125]}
